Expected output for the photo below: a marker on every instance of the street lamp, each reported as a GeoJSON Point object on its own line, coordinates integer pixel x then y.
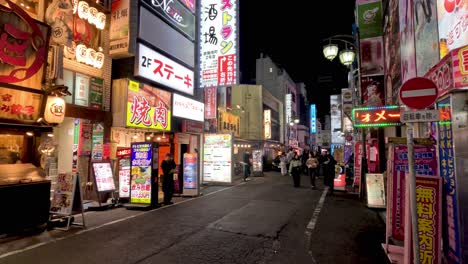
{"type": "Point", "coordinates": [347, 57]}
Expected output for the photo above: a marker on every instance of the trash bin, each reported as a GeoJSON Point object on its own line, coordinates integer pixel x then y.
{"type": "Point", "coordinates": [24, 197]}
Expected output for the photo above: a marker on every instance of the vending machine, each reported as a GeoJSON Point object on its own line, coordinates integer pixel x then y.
{"type": "Point", "coordinates": [143, 175]}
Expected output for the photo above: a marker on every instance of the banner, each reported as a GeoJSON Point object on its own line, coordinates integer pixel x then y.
{"type": "Point", "coordinates": [210, 102]}
{"type": "Point", "coordinates": [119, 29]}
{"type": "Point", "coordinates": [451, 230]}
{"type": "Point", "coordinates": [370, 19]}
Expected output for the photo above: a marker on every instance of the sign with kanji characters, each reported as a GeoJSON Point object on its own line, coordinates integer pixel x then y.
{"type": "Point", "coordinates": [419, 116]}
{"type": "Point", "coordinates": [23, 47]}
{"type": "Point", "coordinates": [189, 126]}
{"type": "Point", "coordinates": [175, 14]}
{"type": "Point", "coordinates": [313, 118]}
{"type": "Point", "coordinates": [218, 42]}
{"type": "Point", "coordinates": [103, 176]}
{"type": "Point", "coordinates": [119, 28]}
{"type": "Point", "coordinates": [19, 105]}
{"type": "Point", "coordinates": [140, 171]}
{"type": "Point", "coordinates": [148, 107]}
{"type": "Point", "coordinates": [228, 123]}
{"type": "Point", "coordinates": [377, 116]}
{"type": "Point", "coordinates": [188, 108]}
{"type": "Point", "coordinates": [160, 69]}
{"type": "Point", "coordinates": [451, 238]}
{"type": "Point", "coordinates": [267, 123]}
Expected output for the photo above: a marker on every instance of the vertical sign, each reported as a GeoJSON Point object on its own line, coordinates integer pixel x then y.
{"type": "Point", "coordinates": [217, 162]}
{"type": "Point", "coordinates": [98, 142]}
{"type": "Point", "coordinates": [288, 103]}
{"type": "Point", "coordinates": [313, 119]}
{"type": "Point", "coordinates": [267, 123]}
{"type": "Point", "coordinates": [336, 122]}
{"type": "Point", "coordinates": [140, 169]}
{"type": "Point", "coordinates": [451, 232]}
{"type": "Point", "coordinates": [210, 102]}
{"type": "Point", "coordinates": [190, 173]}
{"type": "Point", "coordinates": [370, 19]}
{"type": "Point", "coordinates": [426, 36]}
{"type": "Point", "coordinates": [460, 67]}
{"type": "Point", "coordinates": [408, 56]}
{"type": "Point", "coordinates": [453, 32]}
{"type": "Point", "coordinates": [119, 27]}
{"type": "Point", "coordinates": [218, 42]}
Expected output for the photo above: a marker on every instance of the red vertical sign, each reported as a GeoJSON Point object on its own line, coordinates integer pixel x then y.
{"type": "Point", "coordinates": [226, 69]}
{"type": "Point", "coordinates": [210, 102]}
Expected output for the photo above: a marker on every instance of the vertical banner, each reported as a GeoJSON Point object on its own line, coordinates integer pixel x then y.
{"type": "Point", "coordinates": [336, 122]}
{"type": "Point", "coordinates": [288, 106]}
{"type": "Point", "coordinates": [267, 123]}
{"type": "Point", "coordinates": [370, 19]}
{"type": "Point", "coordinates": [425, 164]}
{"type": "Point", "coordinates": [97, 148]}
{"type": "Point", "coordinates": [313, 119]}
{"type": "Point", "coordinates": [426, 36]}
{"type": "Point", "coordinates": [119, 27]}
{"type": "Point", "coordinates": [451, 222]}
{"type": "Point", "coordinates": [141, 170]}
{"type": "Point", "coordinates": [219, 49]}
{"type": "Point", "coordinates": [453, 31]}
{"type": "Point", "coordinates": [210, 102]}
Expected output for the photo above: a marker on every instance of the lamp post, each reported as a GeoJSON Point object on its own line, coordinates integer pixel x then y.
{"type": "Point", "coordinates": [347, 57]}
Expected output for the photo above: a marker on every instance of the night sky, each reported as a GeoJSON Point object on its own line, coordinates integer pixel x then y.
{"type": "Point", "coordinates": [280, 28]}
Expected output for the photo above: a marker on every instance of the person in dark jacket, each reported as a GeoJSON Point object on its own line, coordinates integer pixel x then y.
{"type": "Point", "coordinates": [295, 168]}
{"type": "Point", "coordinates": [329, 178]}
{"type": "Point", "coordinates": [168, 167]}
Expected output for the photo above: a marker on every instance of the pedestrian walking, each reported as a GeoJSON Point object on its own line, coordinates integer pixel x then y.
{"type": "Point", "coordinates": [312, 165]}
{"type": "Point", "coordinates": [329, 178]}
{"type": "Point", "coordinates": [284, 170]}
{"type": "Point", "coordinates": [168, 167]}
{"type": "Point", "coordinates": [295, 170]}
{"type": "Point", "coordinates": [247, 164]}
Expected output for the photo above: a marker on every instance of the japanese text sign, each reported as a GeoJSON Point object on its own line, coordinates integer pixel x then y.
{"type": "Point", "coordinates": [441, 75]}
{"type": "Point", "coordinates": [141, 170]}
{"type": "Point", "coordinates": [288, 104]}
{"type": "Point", "coordinates": [267, 123]}
{"type": "Point", "coordinates": [228, 122]}
{"type": "Point", "coordinates": [376, 116]}
{"type": "Point", "coordinates": [103, 176]}
{"type": "Point", "coordinates": [23, 47]}
{"type": "Point", "coordinates": [218, 42]}
{"type": "Point", "coordinates": [148, 107]}
{"type": "Point", "coordinates": [188, 108]}
{"type": "Point", "coordinates": [419, 116]}
{"type": "Point", "coordinates": [453, 20]}
{"type": "Point", "coordinates": [425, 164]}
{"type": "Point", "coordinates": [429, 215]}
{"type": "Point", "coordinates": [210, 102]}
{"type": "Point", "coordinates": [119, 27]}
{"type": "Point", "coordinates": [452, 242]}
{"type": "Point", "coordinates": [158, 68]}
{"type": "Point", "coordinates": [19, 105]}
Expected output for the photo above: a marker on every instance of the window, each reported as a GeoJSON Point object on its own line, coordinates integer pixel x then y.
{"type": "Point", "coordinates": [86, 91]}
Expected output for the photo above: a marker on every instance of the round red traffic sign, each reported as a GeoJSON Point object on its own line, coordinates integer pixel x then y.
{"type": "Point", "coordinates": [418, 93]}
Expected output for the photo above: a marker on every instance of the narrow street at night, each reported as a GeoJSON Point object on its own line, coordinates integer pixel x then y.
{"type": "Point", "coordinates": [264, 220]}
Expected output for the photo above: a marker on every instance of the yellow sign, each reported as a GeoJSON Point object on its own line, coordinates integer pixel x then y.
{"type": "Point", "coordinates": [228, 123]}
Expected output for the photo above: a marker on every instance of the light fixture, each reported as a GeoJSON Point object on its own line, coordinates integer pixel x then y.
{"type": "Point", "coordinates": [39, 119]}
{"type": "Point", "coordinates": [296, 121]}
{"type": "Point", "coordinates": [148, 138]}
{"type": "Point", "coordinates": [291, 123]}
{"type": "Point", "coordinates": [29, 134]}
{"type": "Point", "coordinates": [158, 138]}
{"type": "Point", "coordinates": [163, 136]}
{"type": "Point", "coordinates": [50, 135]}
{"type": "Point", "coordinates": [347, 57]}
{"type": "Point", "coordinates": [330, 51]}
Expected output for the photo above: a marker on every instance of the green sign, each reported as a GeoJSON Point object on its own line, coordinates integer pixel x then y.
{"type": "Point", "coordinates": [95, 94]}
{"type": "Point", "coordinates": [370, 20]}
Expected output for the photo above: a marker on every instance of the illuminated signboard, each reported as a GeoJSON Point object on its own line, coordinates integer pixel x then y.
{"type": "Point", "coordinates": [188, 108]}
{"type": "Point", "coordinates": [453, 32]}
{"type": "Point", "coordinates": [267, 123]}
{"type": "Point", "coordinates": [313, 119]}
{"type": "Point", "coordinates": [218, 42]}
{"type": "Point", "coordinates": [288, 108]}
{"type": "Point", "coordinates": [377, 116]}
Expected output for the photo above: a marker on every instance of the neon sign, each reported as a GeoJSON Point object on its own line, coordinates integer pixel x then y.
{"type": "Point", "coordinates": [379, 116]}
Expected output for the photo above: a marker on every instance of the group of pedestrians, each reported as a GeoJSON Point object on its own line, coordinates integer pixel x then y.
{"type": "Point", "coordinates": [310, 164]}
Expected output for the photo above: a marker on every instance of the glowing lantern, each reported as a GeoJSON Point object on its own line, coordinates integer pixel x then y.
{"type": "Point", "coordinates": [83, 10]}
{"type": "Point", "coordinates": [81, 53]}
{"type": "Point", "coordinates": [99, 60]}
{"type": "Point", "coordinates": [54, 110]}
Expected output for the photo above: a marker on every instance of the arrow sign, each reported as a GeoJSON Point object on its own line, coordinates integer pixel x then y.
{"type": "Point", "coordinates": [418, 93]}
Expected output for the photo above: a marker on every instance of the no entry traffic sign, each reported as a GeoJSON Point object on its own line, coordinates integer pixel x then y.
{"type": "Point", "coordinates": [418, 93]}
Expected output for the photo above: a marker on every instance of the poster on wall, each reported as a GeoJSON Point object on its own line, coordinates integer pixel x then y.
{"type": "Point", "coordinates": [370, 19]}
{"type": "Point", "coordinates": [190, 184]}
{"type": "Point", "coordinates": [22, 61]}
{"type": "Point", "coordinates": [372, 56]}
{"type": "Point", "coordinates": [96, 86]}
{"type": "Point", "coordinates": [141, 170]}
{"type": "Point", "coordinates": [372, 90]}
{"type": "Point", "coordinates": [336, 121]}
{"type": "Point", "coordinates": [219, 49]}
{"type": "Point", "coordinates": [452, 228]}
{"type": "Point", "coordinates": [217, 158]}
{"type": "Point", "coordinates": [148, 107]}
{"type": "Point", "coordinates": [426, 37]}
{"type": "Point", "coordinates": [453, 32]}
{"type": "Point", "coordinates": [408, 56]}
{"type": "Point", "coordinates": [103, 176]}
